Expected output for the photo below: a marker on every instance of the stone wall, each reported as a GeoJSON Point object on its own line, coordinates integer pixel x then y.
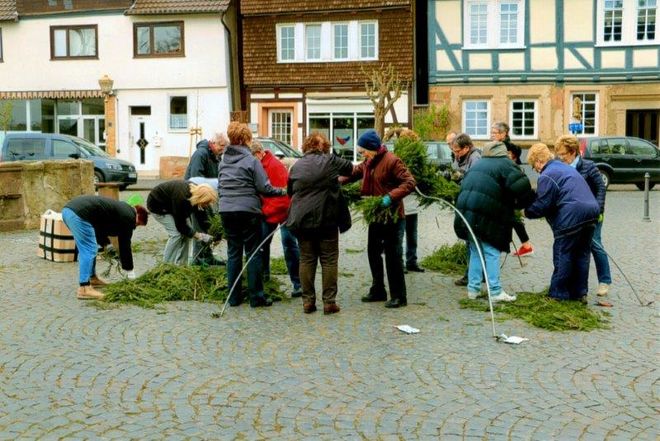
{"type": "Point", "coordinates": [27, 189]}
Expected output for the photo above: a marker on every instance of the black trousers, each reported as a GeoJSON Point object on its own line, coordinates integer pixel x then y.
{"type": "Point", "coordinates": [386, 238]}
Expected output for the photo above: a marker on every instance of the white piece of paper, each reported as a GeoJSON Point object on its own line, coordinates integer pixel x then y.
{"type": "Point", "coordinates": [514, 340]}
{"type": "Point", "coordinates": [407, 329]}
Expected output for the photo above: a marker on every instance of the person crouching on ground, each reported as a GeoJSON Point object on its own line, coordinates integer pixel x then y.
{"type": "Point", "coordinates": [92, 219]}
{"type": "Point", "coordinates": [490, 192]}
{"type": "Point", "coordinates": [275, 210]}
{"type": "Point", "coordinates": [568, 148]}
{"type": "Point", "coordinates": [384, 174]}
{"type": "Point", "coordinates": [318, 214]}
{"type": "Point", "coordinates": [565, 200]}
{"type": "Point", "coordinates": [241, 181]}
{"type": "Point", "coordinates": [172, 203]}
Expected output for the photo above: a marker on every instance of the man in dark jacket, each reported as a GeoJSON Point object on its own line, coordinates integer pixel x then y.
{"type": "Point", "coordinates": [92, 219]}
{"type": "Point", "coordinates": [490, 192]}
{"type": "Point", "coordinates": [565, 200]}
{"type": "Point", "coordinates": [204, 164]}
{"type": "Point", "coordinates": [384, 174]}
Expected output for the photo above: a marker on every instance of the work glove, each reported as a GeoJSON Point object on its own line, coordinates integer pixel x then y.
{"type": "Point", "coordinates": [601, 217]}
{"type": "Point", "coordinates": [203, 237]}
{"type": "Point", "coordinates": [386, 201]}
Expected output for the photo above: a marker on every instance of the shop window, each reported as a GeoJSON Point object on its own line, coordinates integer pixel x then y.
{"type": "Point", "coordinates": [588, 104]}
{"type": "Point", "coordinates": [68, 42]}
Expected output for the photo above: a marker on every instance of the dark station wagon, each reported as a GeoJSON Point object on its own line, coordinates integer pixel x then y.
{"type": "Point", "coordinates": [623, 159]}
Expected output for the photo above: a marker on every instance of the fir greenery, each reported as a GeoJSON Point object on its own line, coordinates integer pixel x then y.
{"type": "Point", "coordinates": [448, 259]}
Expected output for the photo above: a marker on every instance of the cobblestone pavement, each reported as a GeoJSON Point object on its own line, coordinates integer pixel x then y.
{"type": "Point", "coordinates": [68, 370]}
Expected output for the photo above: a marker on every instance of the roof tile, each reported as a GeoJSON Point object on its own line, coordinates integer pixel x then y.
{"type": "Point", "coordinates": [8, 10]}
{"type": "Point", "coordinates": [151, 7]}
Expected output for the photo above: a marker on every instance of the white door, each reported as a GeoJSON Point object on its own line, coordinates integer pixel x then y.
{"type": "Point", "coordinates": [141, 141]}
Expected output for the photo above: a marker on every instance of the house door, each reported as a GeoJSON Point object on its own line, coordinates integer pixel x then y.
{"type": "Point", "coordinates": [141, 135]}
{"type": "Point", "coordinates": [643, 124]}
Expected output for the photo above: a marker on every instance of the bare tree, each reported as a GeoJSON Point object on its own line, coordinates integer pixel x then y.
{"type": "Point", "coordinates": [384, 86]}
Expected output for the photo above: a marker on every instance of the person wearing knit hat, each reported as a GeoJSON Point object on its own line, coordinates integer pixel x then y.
{"type": "Point", "coordinates": [384, 174]}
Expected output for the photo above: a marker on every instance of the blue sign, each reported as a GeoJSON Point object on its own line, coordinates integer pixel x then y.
{"type": "Point", "coordinates": [576, 127]}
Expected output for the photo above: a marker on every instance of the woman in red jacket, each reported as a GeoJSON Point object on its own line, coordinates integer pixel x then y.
{"type": "Point", "coordinates": [275, 210]}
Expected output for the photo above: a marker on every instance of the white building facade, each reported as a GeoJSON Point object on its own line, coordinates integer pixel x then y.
{"type": "Point", "coordinates": [170, 72]}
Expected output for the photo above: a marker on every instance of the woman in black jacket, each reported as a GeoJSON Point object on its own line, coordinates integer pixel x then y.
{"type": "Point", "coordinates": [172, 203]}
{"type": "Point", "coordinates": [318, 213]}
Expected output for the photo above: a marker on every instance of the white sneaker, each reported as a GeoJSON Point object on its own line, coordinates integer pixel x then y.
{"type": "Point", "coordinates": [472, 295]}
{"type": "Point", "coordinates": [503, 297]}
{"type": "Point", "coordinates": [603, 289]}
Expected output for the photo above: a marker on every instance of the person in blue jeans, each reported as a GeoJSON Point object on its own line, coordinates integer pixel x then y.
{"type": "Point", "coordinates": [565, 200]}
{"type": "Point", "coordinates": [92, 220]}
{"type": "Point", "coordinates": [490, 192]}
{"type": "Point", "coordinates": [241, 181]}
{"type": "Point", "coordinates": [275, 210]}
{"type": "Point", "coordinates": [567, 149]}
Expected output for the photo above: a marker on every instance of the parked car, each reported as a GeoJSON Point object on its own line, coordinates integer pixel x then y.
{"type": "Point", "coordinates": [623, 159]}
{"type": "Point", "coordinates": [279, 148]}
{"type": "Point", "coordinates": [439, 153]}
{"type": "Point", "coordinates": [33, 146]}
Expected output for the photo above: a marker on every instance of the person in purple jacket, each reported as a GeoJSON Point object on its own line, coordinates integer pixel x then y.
{"type": "Point", "coordinates": [565, 200]}
{"type": "Point", "coordinates": [568, 150]}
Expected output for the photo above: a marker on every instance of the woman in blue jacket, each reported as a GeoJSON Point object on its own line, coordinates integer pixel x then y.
{"type": "Point", "coordinates": [565, 200]}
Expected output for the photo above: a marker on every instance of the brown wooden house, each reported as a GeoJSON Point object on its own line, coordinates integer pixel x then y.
{"type": "Point", "coordinates": [302, 64]}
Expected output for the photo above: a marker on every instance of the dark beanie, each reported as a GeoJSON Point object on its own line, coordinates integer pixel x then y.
{"type": "Point", "coordinates": [369, 140]}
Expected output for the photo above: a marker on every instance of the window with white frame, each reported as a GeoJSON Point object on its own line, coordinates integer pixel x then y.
{"type": "Point", "coordinates": [367, 40]}
{"type": "Point", "coordinates": [627, 22]}
{"type": "Point", "coordinates": [523, 119]}
{"type": "Point", "coordinates": [287, 43]}
{"type": "Point", "coordinates": [476, 118]}
{"type": "Point", "coordinates": [493, 24]}
{"type": "Point", "coordinates": [313, 42]}
{"type": "Point", "coordinates": [588, 111]}
{"type": "Point", "coordinates": [178, 112]}
{"type": "Point", "coordinates": [327, 41]}
{"type": "Point", "coordinates": [280, 125]}
{"type": "Point", "coordinates": [340, 41]}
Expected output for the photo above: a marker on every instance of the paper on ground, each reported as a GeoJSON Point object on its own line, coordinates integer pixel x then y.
{"type": "Point", "coordinates": [407, 329]}
{"type": "Point", "coordinates": [514, 340]}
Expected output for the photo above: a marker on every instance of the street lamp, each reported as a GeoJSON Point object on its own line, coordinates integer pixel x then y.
{"type": "Point", "coordinates": [106, 85]}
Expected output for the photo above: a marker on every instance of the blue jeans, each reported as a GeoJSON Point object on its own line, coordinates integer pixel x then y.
{"type": "Point", "coordinates": [475, 271]}
{"type": "Point", "coordinates": [243, 233]}
{"type": "Point", "coordinates": [600, 256]}
{"type": "Point", "coordinates": [85, 238]}
{"type": "Point", "coordinates": [291, 253]}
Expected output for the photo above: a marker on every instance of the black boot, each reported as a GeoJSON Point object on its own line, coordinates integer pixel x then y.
{"type": "Point", "coordinates": [375, 295]}
{"type": "Point", "coordinates": [396, 303]}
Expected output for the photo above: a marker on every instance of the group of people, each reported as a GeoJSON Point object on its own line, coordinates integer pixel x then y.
{"type": "Point", "coordinates": [256, 194]}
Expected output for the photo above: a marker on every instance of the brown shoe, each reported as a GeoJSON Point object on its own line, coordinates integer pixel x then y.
{"type": "Point", "coordinates": [308, 308]}
{"type": "Point", "coordinates": [96, 281]}
{"type": "Point", "coordinates": [331, 308]}
{"type": "Point", "coordinates": [89, 293]}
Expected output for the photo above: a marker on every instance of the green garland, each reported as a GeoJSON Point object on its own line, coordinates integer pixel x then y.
{"type": "Point", "coordinates": [168, 282]}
